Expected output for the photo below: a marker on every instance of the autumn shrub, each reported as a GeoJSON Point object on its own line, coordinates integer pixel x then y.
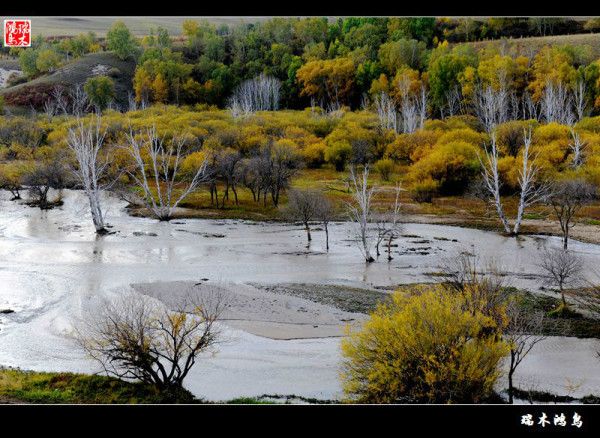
{"type": "Point", "coordinates": [453, 165]}
{"type": "Point", "coordinates": [338, 153]}
{"type": "Point", "coordinates": [314, 154]}
{"type": "Point", "coordinates": [424, 190]}
{"type": "Point", "coordinates": [410, 147]}
{"type": "Point", "coordinates": [384, 168]}
{"type": "Point", "coordinates": [427, 345]}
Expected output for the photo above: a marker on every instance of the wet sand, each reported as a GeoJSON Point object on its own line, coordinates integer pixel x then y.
{"type": "Point", "coordinates": [256, 311]}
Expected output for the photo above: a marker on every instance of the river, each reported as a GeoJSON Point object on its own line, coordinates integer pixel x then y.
{"type": "Point", "coordinates": [54, 269]}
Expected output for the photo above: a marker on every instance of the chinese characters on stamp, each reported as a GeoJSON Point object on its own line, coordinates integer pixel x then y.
{"type": "Point", "coordinates": [17, 33]}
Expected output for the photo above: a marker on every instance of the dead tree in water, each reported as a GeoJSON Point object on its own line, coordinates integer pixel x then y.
{"type": "Point", "coordinates": [532, 191]}
{"type": "Point", "coordinates": [491, 179]}
{"type": "Point", "coordinates": [325, 215]}
{"type": "Point", "coordinates": [562, 268]}
{"type": "Point", "coordinates": [388, 226]}
{"type": "Point", "coordinates": [86, 142]}
{"type": "Point", "coordinates": [303, 205]}
{"type": "Point", "coordinates": [522, 333]}
{"type": "Point", "coordinates": [164, 168]}
{"type": "Point", "coordinates": [360, 210]}
{"type": "Point", "coordinates": [566, 198]}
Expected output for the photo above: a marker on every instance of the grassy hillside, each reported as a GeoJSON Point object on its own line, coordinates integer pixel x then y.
{"type": "Point", "coordinates": [530, 46]}
{"type": "Point", "coordinates": [139, 26]}
{"type": "Point", "coordinates": [34, 92]}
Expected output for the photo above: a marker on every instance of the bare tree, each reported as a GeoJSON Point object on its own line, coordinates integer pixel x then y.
{"type": "Point", "coordinates": [580, 100]}
{"type": "Point", "coordinates": [577, 146]}
{"type": "Point", "coordinates": [523, 332]}
{"type": "Point", "coordinates": [44, 176]}
{"type": "Point", "coordinates": [557, 104]}
{"type": "Point", "coordinates": [460, 270]}
{"type": "Point", "coordinates": [325, 214]}
{"type": "Point", "coordinates": [258, 94]}
{"type": "Point", "coordinates": [566, 198]}
{"type": "Point", "coordinates": [79, 100]}
{"type": "Point", "coordinates": [531, 109]}
{"type": "Point", "coordinates": [164, 168]}
{"type": "Point", "coordinates": [421, 101]}
{"type": "Point", "coordinates": [532, 191]}
{"type": "Point", "coordinates": [411, 114]}
{"type": "Point", "coordinates": [228, 164]}
{"type": "Point", "coordinates": [562, 269]}
{"type": "Point", "coordinates": [491, 180]}
{"type": "Point", "coordinates": [136, 338]}
{"type": "Point", "coordinates": [386, 112]}
{"type": "Point", "coordinates": [491, 106]}
{"type": "Point", "coordinates": [360, 210]}
{"type": "Point", "coordinates": [86, 142]}
{"type": "Point", "coordinates": [281, 163]}
{"type": "Point", "coordinates": [388, 225]}
{"type": "Point", "coordinates": [303, 205]}
{"type": "Point", "coordinates": [453, 102]}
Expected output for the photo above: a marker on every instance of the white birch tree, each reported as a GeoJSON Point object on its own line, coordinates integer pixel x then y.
{"type": "Point", "coordinates": [491, 179]}
{"type": "Point", "coordinates": [158, 178]}
{"type": "Point", "coordinates": [359, 211]}
{"type": "Point", "coordinates": [532, 191]}
{"type": "Point", "coordinates": [259, 94]}
{"type": "Point", "coordinates": [86, 142]}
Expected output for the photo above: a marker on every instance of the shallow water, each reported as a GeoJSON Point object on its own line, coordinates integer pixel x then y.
{"type": "Point", "coordinates": [53, 270]}
{"type": "Point", "coordinates": [5, 74]}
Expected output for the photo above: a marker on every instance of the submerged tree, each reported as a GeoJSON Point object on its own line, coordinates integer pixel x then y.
{"type": "Point", "coordinates": [87, 142]}
{"type": "Point", "coordinates": [326, 214]}
{"type": "Point", "coordinates": [531, 189]}
{"type": "Point", "coordinates": [388, 225]}
{"type": "Point", "coordinates": [566, 198]}
{"type": "Point", "coordinates": [491, 179]}
{"type": "Point", "coordinates": [360, 210]}
{"type": "Point", "coordinates": [563, 269]}
{"type": "Point", "coordinates": [45, 175]}
{"type": "Point", "coordinates": [303, 205]}
{"type": "Point", "coordinates": [11, 179]}
{"type": "Point", "coordinates": [164, 168]}
{"type": "Point", "coordinates": [523, 332]}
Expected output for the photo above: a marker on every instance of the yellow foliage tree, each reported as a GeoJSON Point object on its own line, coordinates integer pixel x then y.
{"type": "Point", "coordinates": [160, 89]}
{"type": "Point", "coordinates": [330, 79]}
{"type": "Point", "coordinates": [428, 345]}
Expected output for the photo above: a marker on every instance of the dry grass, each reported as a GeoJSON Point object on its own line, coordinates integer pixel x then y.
{"type": "Point", "coordinates": [531, 45]}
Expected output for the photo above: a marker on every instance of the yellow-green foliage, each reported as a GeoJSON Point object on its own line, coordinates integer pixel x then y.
{"type": "Point", "coordinates": [427, 345]}
{"type": "Point", "coordinates": [451, 164]}
{"type": "Point", "coordinates": [439, 159]}
{"type": "Point", "coordinates": [384, 168]}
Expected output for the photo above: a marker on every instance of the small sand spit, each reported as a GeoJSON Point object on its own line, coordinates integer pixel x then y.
{"type": "Point", "coordinates": [258, 311]}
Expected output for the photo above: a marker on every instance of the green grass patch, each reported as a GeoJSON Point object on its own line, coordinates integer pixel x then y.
{"type": "Point", "coordinates": [561, 321]}
{"type": "Point", "coordinates": [43, 387]}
